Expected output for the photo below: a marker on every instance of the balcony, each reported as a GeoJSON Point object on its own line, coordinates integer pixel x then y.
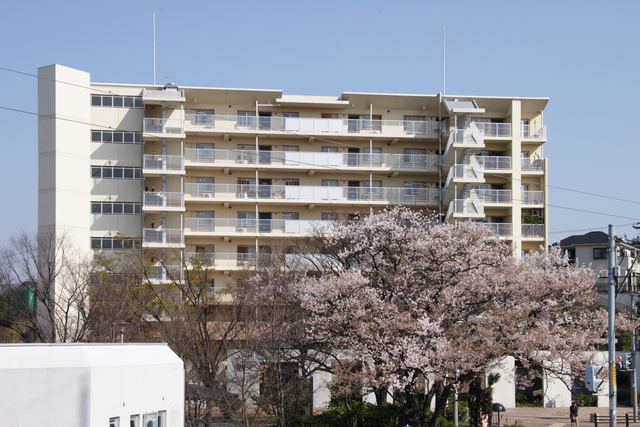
{"type": "Point", "coordinates": [162, 201]}
{"type": "Point", "coordinates": [533, 132]}
{"type": "Point", "coordinates": [532, 165]}
{"type": "Point", "coordinates": [533, 231]}
{"type": "Point", "coordinates": [305, 160]}
{"type": "Point", "coordinates": [158, 238]}
{"type": "Point", "coordinates": [473, 138]}
{"type": "Point", "coordinates": [309, 125]}
{"type": "Point", "coordinates": [499, 229]}
{"type": "Point", "coordinates": [163, 127]}
{"type": "Point", "coordinates": [224, 226]}
{"type": "Point", "coordinates": [532, 197]}
{"type": "Point", "coordinates": [494, 163]}
{"type": "Point", "coordinates": [154, 162]}
{"type": "Point", "coordinates": [495, 130]}
{"type": "Point", "coordinates": [492, 196]}
{"type": "Point", "coordinates": [311, 194]}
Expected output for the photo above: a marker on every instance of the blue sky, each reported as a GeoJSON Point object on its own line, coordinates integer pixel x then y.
{"type": "Point", "coordinates": [583, 55]}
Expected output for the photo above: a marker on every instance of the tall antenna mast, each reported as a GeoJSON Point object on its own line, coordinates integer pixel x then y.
{"type": "Point", "coordinates": [444, 62]}
{"type": "Point", "coordinates": [154, 47]}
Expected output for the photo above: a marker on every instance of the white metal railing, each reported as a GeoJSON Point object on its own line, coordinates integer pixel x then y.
{"type": "Point", "coordinates": [492, 196]}
{"type": "Point", "coordinates": [304, 158]}
{"type": "Point", "coordinates": [159, 199]}
{"type": "Point", "coordinates": [532, 197]}
{"type": "Point", "coordinates": [533, 231]}
{"type": "Point", "coordinates": [500, 229]}
{"type": "Point", "coordinates": [532, 165]}
{"type": "Point", "coordinates": [165, 163]}
{"type": "Point", "coordinates": [274, 226]}
{"type": "Point", "coordinates": [162, 236]}
{"type": "Point", "coordinates": [165, 126]}
{"type": "Point", "coordinates": [410, 196]}
{"type": "Point", "coordinates": [501, 163]}
{"type": "Point", "coordinates": [204, 259]}
{"type": "Point", "coordinates": [495, 129]}
{"type": "Point", "coordinates": [533, 131]}
{"type": "Point", "coordinates": [471, 136]}
{"type": "Point", "coordinates": [310, 124]}
{"type": "Point", "coordinates": [468, 171]}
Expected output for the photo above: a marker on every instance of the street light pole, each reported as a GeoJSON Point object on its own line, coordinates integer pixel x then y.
{"type": "Point", "coordinates": [612, 327]}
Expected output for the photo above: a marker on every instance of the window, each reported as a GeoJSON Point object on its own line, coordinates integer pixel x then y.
{"type": "Point", "coordinates": [246, 187]}
{"type": "Point", "coordinates": [246, 221]}
{"type": "Point", "coordinates": [413, 157]}
{"type": "Point", "coordinates": [373, 156]}
{"type": "Point", "coordinates": [134, 421]}
{"type": "Point", "coordinates": [116, 137]}
{"type": "Point", "coordinates": [246, 253]}
{"type": "Point", "coordinates": [329, 216]}
{"type": "Point", "coordinates": [116, 101]}
{"type": "Point", "coordinates": [115, 208]}
{"type": "Point", "coordinates": [414, 124]}
{"type": "Point", "coordinates": [377, 190]}
{"type": "Point", "coordinates": [205, 186]}
{"type": "Point", "coordinates": [375, 125]}
{"type": "Point", "coordinates": [600, 253]}
{"type": "Point", "coordinates": [150, 420]}
{"type": "Point", "coordinates": [114, 243]}
{"type": "Point", "coordinates": [412, 189]}
{"type": "Point", "coordinates": [329, 183]}
{"type": "Point", "coordinates": [329, 149]}
{"type": "Point", "coordinates": [246, 118]}
{"type": "Point", "coordinates": [205, 152]}
{"type": "Point", "coordinates": [204, 118]}
{"type": "Point", "coordinates": [115, 172]}
{"type": "Point", "coordinates": [114, 422]}
{"type": "Point", "coordinates": [205, 221]}
{"type": "Point", "coordinates": [290, 182]}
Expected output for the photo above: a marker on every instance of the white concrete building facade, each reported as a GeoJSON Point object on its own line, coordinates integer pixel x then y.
{"type": "Point", "coordinates": [91, 385]}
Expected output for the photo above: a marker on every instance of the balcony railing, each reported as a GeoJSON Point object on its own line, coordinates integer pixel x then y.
{"type": "Point", "coordinates": [499, 163]}
{"type": "Point", "coordinates": [273, 226]}
{"type": "Point", "coordinates": [196, 122]}
{"type": "Point", "coordinates": [303, 158]}
{"type": "Point", "coordinates": [532, 165]}
{"type": "Point", "coordinates": [533, 131]}
{"type": "Point", "coordinates": [495, 129]}
{"type": "Point", "coordinates": [162, 236]}
{"type": "Point", "coordinates": [471, 136]}
{"type": "Point", "coordinates": [164, 163]}
{"type": "Point", "coordinates": [500, 229]}
{"type": "Point", "coordinates": [165, 126]}
{"type": "Point", "coordinates": [405, 196]}
{"type": "Point", "coordinates": [535, 231]}
{"type": "Point", "coordinates": [467, 171]}
{"type": "Point", "coordinates": [492, 196]}
{"type": "Point", "coordinates": [532, 197]}
{"type": "Point", "coordinates": [153, 199]}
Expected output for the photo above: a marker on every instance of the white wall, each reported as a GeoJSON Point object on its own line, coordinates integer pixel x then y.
{"type": "Point", "coordinates": [87, 384]}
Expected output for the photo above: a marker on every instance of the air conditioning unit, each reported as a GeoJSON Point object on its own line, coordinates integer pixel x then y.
{"type": "Point", "coordinates": [207, 195]}
{"type": "Point", "coordinates": [536, 212]}
{"type": "Point", "coordinates": [241, 230]}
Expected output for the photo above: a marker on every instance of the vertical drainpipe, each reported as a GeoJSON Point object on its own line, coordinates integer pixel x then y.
{"type": "Point", "coordinates": [257, 179]}
{"type": "Point", "coordinates": [370, 159]}
{"type": "Point", "coordinates": [440, 130]}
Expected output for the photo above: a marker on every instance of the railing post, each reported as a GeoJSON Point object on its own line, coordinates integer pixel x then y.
{"type": "Point", "coordinates": [626, 416]}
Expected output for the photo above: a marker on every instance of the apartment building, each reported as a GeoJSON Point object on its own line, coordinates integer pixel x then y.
{"type": "Point", "coordinates": [226, 174]}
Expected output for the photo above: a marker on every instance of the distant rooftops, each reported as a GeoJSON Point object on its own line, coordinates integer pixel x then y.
{"type": "Point", "coordinates": [591, 238]}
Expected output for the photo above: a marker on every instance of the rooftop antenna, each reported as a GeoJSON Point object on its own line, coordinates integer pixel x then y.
{"type": "Point", "coordinates": [444, 62]}
{"type": "Point", "coordinates": [154, 47]}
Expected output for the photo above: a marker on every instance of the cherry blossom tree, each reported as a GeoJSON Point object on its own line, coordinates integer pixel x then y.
{"type": "Point", "coordinates": [417, 301]}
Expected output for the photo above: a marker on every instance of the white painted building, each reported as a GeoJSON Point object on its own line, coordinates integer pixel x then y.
{"type": "Point", "coordinates": [91, 385]}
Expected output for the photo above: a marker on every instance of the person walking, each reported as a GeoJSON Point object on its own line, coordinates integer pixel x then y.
{"type": "Point", "coordinates": [573, 414]}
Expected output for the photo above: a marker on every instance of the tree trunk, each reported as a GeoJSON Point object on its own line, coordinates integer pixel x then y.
{"type": "Point", "coordinates": [442, 396]}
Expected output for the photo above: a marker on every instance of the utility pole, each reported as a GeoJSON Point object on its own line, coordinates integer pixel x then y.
{"type": "Point", "coordinates": [612, 326]}
{"type": "Point", "coordinates": [634, 384]}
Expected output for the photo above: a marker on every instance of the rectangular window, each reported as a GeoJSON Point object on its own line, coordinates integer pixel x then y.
{"type": "Point", "coordinates": [599, 253]}
{"type": "Point", "coordinates": [204, 118]}
{"type": "Point", "coordinates": [246, 118]}
{"type": "Point", "coordinates": [372, 157]}
{"type": "Point", "coordinates": [96, 172]}
{"type": "Point", "coordinates": [114, 422]}
{"type": "Point", "coordinates": [134, 421]}
{"type": "Point", "coordinates": [118, 137]}
{"type": "Point", "coordinates": [128, 208]}
{"type": "Point", "coordinates": [413, 124]}
{"type": "Point", "coordinates": [329, 150]}
{"type": "Point", "coordinates": [128, 102]}
{"type": "Point", "coordinates": [116, 101]}
{"type": "Point", "coordinates": [96, 136]}
{"type": "Point", "coordinates": [117, 208]}
{"type": "Point", "coordinates": [329, 216]}
{"type": "Point", "coordinates": [96, 101]}
{"type": "Point", "coordinates": [329, 183]}
{"type": "Point", "coordinates": [118, 173]}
